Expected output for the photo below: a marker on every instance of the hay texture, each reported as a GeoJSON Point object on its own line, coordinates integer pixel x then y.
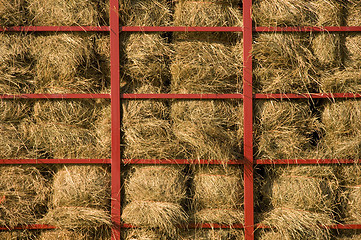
{"type": "Point", "coordinates": [12, 13]}
{"type": "Point", "coordinates": [200, 66]}
{"type": "Point", "coordinates": [61, 234]}
{"type": "Point", "coordinates": [153, 198]}
{"type": "Point", "coordinates": [353, 51]}
{"type": "Point", "coordinates": [147, 59]}
{"type": "Point", "coordinates": [341, 125]}
{"type": "Point", "coordinates": [64, 63]}
{"type": "Point", "coordinates": [18, 235]}
{"type": "Point", "coordinates": [16, 68]}
{"type": "Point", "coordinates": [213, 234]}
{"type": "Point", "coordinates": [349, 235]}
{"type": "Point", "coordinates": [23, 195]}
{"type": "Point", "coordinates": [327, 49]}
{"type": "Point", "coordinates": [284, 129]}
{"type": "Point", "coordinates": [209, 129]}
{"type": "Point", "coordinates": [350, 179]}
{"type": "Point", "coordinates": [302, 200]}
{"type": "Point", "coordinates": [63, 129]}
{"type": "Point", "coordinates": [64, 12]}
{"type": "Point", "coordinates": [143, 234]}
{"type": "Point", "coordinates": [218, 195]}
{"type": "Point", "coordinates": [147, 128]}
{"type": "Point", "coordinates": [341, 81]}
{"type": "Point", "coordinates": [146, 13]}
{"type": "Point", "coordinates": [284, 64]}
{"type": "Point", "coordinates": [103, 130]}
{"type": "Point", "coordinates": [80, 198]}
{"type": "Point", "coordinates": [353, 13]}
{"type": "Point", "coordinates": [297, 13]}
{"type": "Point", "coordinates": [102, 50]}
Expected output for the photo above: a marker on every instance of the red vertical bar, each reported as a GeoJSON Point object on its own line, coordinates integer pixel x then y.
{"type": "Point", "coordinates": [248, 121]}
{"type": "Point", "coordinates": [115, 111]}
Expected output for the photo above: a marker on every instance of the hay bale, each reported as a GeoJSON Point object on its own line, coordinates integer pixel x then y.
{"type": "Point", "coordinates": [147, 58]}
{"type": "Point", "coordinates": [62, 234]}
{"type": "Point", "coordinates": [218, 194]}
{"type": "Point", "coordinates": [200, 66]}
{"type": "Point", "coordinates": [342, 138]}
{"type": "Point", "coordinates": [327, 49]}
{"type": "Point", "coordinates": [12, 145]}
{"type": "Point", "coordinates": [207, 14]}
{"type": "Point", "coordinates": [341, 81]}
{"type": "Point", "coordinates": [284, 129]}
{"type": "Point", "coordinates": [102, 50]}
{"type": "Point", "coordinates": [156, 202]}
{"type": "Point", "coordinates": [298, 224]}
{"type": "Point", "coordinates": [353, 51]}
{"type": "Point", "coordinates": [104, 131]}
{"type": "Point", "coordinates": [23, 195]}
{"type": "Point", "coordinates": [208, 129]}
{"type": "Point", "coordinates": [143, 234]}
{"type": "Point", "coordinates": [81, 186]}
{"type": "Point", "coordinates": [284, 13]}
{"type": "Point", "coordinates": [213, 234]}
{"type": "Point", "coordinates": [327, 12]}
{"type": "Point", "coordinates": [146, 13]}
{"type": "Point", "coordinates": [12, 13]}
{"type": "Point", "coordinates": [18, 235]}
{"type": "Point", "coordinates": [353, 13]}
{"type": "Point", "coordinates": [77, 218]}
{"type": "Point", "coordinates": [16, 68]}
{"type": "Point", "coordinates": [14, 110]}
{"type": "Point", "coordinates": [64, 13]}
{"type": "Point", "coordinates": [147, 128]}
{"type": "Point", "coordinates": [284, 64]}
{"type": "Point", "coordinates": [64, 63]}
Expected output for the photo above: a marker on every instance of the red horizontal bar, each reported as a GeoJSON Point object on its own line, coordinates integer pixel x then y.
{"type": "Point", "coordinates": [306, 95]}
{"type": "Point", "coordinates": [32, 227]}
{"type": "Point", "coordinates": [181, 96]}
{"type": "Point", "coordinates": [55, 29]}
{"type": "Point", "coordinates": [55, 161]}
{"type": "Point", "coordinates": [336, 226]}
{"type": "Point", "coordinates": [305, 161]}
{"type": "Point", "coordinates": [179, 29]}
{"type": "Point", "coordinates": [56, 96]}
{"type": "Point", "coordinates": [180, 161]}
{"type": "Point", "coordinates": [308, 29]}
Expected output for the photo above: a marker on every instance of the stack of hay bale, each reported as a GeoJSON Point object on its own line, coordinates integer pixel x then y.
{"type": "Point", "coordinates": [301, 200]}
{"type": "Point", "coordinates": [80, 201]}
{"type": "Point", "coordinates": [23, 196]}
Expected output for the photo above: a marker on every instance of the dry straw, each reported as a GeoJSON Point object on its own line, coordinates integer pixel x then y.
{"type": "Point", "coordinates": [64, 13]}
{"type": "Point", "coordinates": [341, 81]}
{"type": "Point", "coordinates": [12, 13]}
{"type": "Point", "coordinates": [64, 63]}
{"type": "Point", "coordinates": [353, 13]}
{"type": "Point", "coordinates": [327, 49]}
{"type": "Point", "coordinates": [200, 66]}
{"type": "Point", "coordinates": [102, 50]}
{"type": "Point", "coordinates": [14, 110]}
{"type": "Point", "coordinates": [341, 125]}
{"type": "Point", "coordinates": [21, 234]}
{"type": "Point", "coordinates": [284, 64]}
{"type": "Point", "coordinates": [209, 129]}
{"type": "Point", "coordinates": [16, 70]}
{"type": "Point", "coordinates": [147, 59]}
{"type": "Point", "coordinates": [213, 234]}
{"type": "Point", "coordinates": [103, 130]}
{"type": "Point", "coordinates": [218, 194]}
{"type": "Point", "coordinates": [143, 234]}
{"type": "Point", "coordinates": [349, 235]}
{"type": "Point", "coordinates": [154, 195]}
{"type": "Point", "coordinates": [284, 130]}
{"type": "Point", "coordinates": [146, 13]}
{"type": "Point", "coordinates": [353, 51]}
{"type": "Point", "coordinates": [147, 129]}
{"type": "Point", "coordinates": [11, 143]}
{"type": "Point", "coordinates": [23, 195]}
{"type": "Point", "coordinates": [62, 234]}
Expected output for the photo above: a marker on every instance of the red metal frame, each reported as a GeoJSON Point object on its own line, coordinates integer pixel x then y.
{"type": "Point", "coordinates": [116, 162]}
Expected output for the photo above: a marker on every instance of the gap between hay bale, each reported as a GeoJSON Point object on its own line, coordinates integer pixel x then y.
{"type": "Point", "coordinates": [16, 63]}
{"type": "Point", "coordinates": [348, 235]}
{"type": "Point", "coordinates": [284, 129]}
{"type": "Point", "coordinates": [64, 13]}
{"type": "Point", "coordinates": [340, 122]}
{"type": "Point", "coordinates": [147, 59]}
{"type": "Point", "coordinates": [336, 81]}
{"type": "Point", "coordinates": [23, 195]}
{"type": "Point", "coordinates": [65, 63]}
{"type": "Point", "coordinates": [284, 64]}
{"type": "Point", "coordinates": [208, 129]}
{"type": "Point", "coordinates": [145, 12]}
{"type": "Point", "coordinates": [206, 67]}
